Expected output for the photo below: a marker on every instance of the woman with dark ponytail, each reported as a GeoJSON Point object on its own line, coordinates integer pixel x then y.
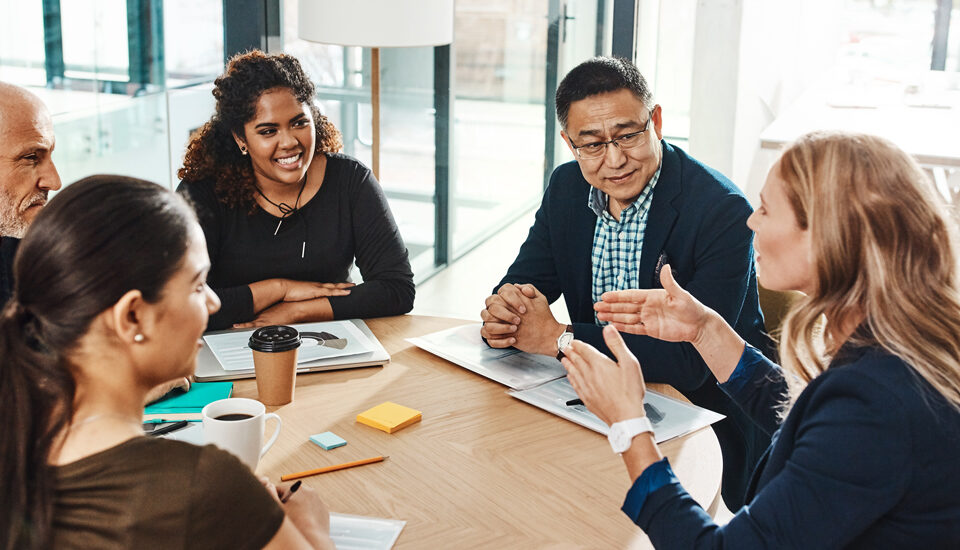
{"type": "Point", "coordinates": [110, 300]}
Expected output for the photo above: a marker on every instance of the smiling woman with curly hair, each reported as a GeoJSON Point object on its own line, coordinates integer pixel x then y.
{"type": "Point", "coordinates": [284, 213]}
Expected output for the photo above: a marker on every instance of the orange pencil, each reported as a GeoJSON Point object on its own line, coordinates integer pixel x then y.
{"type": "Point", "coordinates": [333, 468]}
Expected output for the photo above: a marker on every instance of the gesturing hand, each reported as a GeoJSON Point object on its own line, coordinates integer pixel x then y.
{"type": "Point", "coordinates": [670, 314]}
{"type": "Point", "coordinates": [612, 391]}
{"type": "Point", "coordinates": [298, 291]}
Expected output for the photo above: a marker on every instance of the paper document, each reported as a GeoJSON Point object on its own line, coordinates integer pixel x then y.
{"type": "Point", "coordinates": [364, 533]}
{"type": "Point", "coordinates": [670, 417]}
{"type": "Point", "coordinates": [193, 433]}
{"type": "Point", "coordinates": [517, 369]}
{"type": "Point", "coordinates": [340, 339]}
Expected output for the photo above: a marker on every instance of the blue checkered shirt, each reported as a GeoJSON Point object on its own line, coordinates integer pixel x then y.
{"type": "Point", "coordinates": [617, 244]}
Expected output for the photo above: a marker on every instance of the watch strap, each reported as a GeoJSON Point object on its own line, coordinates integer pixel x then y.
{"type": "Point", "coordinates": [559, 350]}
{"type": "Point", "coordinates": [629, 429]}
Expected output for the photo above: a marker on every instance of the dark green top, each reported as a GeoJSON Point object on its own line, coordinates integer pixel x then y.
{"type": "Point", "coordinates": [157, 493]}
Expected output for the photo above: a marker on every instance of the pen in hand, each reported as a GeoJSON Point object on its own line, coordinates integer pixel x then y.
{"type": "Point", "coordinates": [293, 489]}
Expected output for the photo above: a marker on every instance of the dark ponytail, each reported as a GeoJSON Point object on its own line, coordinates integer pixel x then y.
{"type": "Point", "coordinates": [96, 240]}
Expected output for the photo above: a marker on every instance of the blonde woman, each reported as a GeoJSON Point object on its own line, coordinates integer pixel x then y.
{"type": "Point", "coordinates": [865, 412]}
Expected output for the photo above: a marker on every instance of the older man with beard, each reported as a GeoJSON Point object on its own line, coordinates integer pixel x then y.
{"type": "Point", "coordinates": [27, 173]}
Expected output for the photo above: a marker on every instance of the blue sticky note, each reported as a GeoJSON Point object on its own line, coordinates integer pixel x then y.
{"type": "Point", "coordinates": [328, 440]}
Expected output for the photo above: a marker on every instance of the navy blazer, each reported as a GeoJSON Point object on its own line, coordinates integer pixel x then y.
{"type": "Point", "coordinates": [866, 458]}
{"type": "Point", "coordinates": [698, 224]}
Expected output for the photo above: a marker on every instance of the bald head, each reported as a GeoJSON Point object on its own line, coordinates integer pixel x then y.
{"type": "Point", "coordinates": [27, 173]}
{"type": "Point", "coordinates": [14, 99]}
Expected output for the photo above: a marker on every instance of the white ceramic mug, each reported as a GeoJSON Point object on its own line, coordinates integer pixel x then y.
{"type": "Point", "coordinates": [242, 437]}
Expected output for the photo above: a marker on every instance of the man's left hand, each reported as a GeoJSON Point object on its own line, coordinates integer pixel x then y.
{"type": "Point", "coordinates": [538, 330]}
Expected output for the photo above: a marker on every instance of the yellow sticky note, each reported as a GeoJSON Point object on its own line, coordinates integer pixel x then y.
{"type": "Point", "coordinates": [389, 417]}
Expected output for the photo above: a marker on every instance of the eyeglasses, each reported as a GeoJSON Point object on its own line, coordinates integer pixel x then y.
{"type": "Point", "coordinates": [596, 150]}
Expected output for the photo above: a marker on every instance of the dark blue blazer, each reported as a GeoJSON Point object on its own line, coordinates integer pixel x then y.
{"type": "Point", "coordinates": [697, 224]}
{"type": "Point", "coordinates": [867, 458]}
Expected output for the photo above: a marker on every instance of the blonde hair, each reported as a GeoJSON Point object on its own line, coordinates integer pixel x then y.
{"type": "Point", "coordinates": [883, 252]}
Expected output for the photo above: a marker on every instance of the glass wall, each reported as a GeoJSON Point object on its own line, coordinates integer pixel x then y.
{"type": "Point", "coordinates": [128, 80]}
{"type": "Point", "coordinates": [407, 122]}
{"type": "Point", "coordinates": [109, 71]}
{"type": "Point", "coordinates": [500, 143]}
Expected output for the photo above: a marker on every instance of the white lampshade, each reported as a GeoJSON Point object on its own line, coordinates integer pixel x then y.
{"type": "Point", "coordinates": [377, 23]}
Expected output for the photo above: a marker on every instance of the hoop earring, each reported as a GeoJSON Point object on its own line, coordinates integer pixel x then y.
{"type": "Point", "coordinates": [138, 338]}
{"type": "Point", "coordinates": [243, 150]}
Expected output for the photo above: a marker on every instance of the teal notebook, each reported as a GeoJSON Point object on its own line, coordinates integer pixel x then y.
{"type": "Point", "coordinates": [191, 402]}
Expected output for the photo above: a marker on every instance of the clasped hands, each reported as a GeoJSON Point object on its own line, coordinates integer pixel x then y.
{"type": "Point", "coordinates": [519, 315]}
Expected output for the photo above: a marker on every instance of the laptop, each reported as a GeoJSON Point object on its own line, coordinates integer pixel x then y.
{"type": "Point", "coordinates": [209, 368]}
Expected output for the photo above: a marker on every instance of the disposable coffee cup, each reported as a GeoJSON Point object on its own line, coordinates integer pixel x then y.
{"type": "Point", "coordinates": [275, 361]}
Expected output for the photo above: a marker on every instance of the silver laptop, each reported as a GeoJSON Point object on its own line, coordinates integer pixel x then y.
{"type": "Point", "coordinates": [209, 368]}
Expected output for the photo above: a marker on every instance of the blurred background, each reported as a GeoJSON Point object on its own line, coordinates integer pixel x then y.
{"type": "Point", "coordinates": [471, 126]}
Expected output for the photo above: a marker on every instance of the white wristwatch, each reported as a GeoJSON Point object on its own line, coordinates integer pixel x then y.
{"type": "Point", "coordinates": [622, 433]}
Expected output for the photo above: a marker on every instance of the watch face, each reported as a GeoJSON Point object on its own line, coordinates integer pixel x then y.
{"type": "Point", "coordinates": [565, 340]}
{"type": "Point", "coordinates": [619, 439]}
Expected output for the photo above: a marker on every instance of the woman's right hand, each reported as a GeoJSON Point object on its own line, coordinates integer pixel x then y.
{"type": "Point", "coordinates": [670, 314]}
{"type": "Point", "coordinates": [298, 291]}
{"type": "Point", "coordinates": [308, 512]}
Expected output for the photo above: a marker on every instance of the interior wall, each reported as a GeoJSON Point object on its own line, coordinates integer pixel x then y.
{"type": "Point", "coordinates": [752, 58]}
{"type": "Point", "coordinates": [785, 47]}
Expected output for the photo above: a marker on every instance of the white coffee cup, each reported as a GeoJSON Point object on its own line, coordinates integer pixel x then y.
{"type": "Point", "coordinates": [242, 434]}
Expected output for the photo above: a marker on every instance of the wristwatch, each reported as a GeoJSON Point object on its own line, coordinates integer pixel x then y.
{"type": "Point", "coordinates": [622, 433]}
{"type": "Point", "coordinates": [564, 341]}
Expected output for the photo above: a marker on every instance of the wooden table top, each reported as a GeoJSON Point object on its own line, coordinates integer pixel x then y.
{"type": "Point", "coordinates": [481, 470]}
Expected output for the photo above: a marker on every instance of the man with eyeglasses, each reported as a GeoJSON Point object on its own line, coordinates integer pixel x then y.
{"type": "Point", "coordinates": [630, 204]}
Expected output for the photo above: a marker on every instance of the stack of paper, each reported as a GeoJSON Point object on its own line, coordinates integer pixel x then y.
{"type": "Point", "coordinates": [364, 533]}
{"type": "Point", "coordinates": [670, 418]}
{"type": "Point", "coordinates": [338, 339]}
{"type": "Point", "coordinates": [510, 367]}
{"type": "Point", "coordinates": [541, 381]}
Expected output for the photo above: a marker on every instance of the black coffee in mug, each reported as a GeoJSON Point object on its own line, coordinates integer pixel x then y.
{"type": "Point", "coordinates": [233, 416]}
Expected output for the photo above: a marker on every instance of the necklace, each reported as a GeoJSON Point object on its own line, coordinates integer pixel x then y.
{"type": "Point", "coordinates": [95, 417]}
{"type": "Point", "coordinates": [284, 208]}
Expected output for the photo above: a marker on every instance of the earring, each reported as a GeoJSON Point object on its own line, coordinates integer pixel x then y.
{"type": "Point", "coordinates": [138, 338]}
{"type": "Point", "coordinates": [243, 150]}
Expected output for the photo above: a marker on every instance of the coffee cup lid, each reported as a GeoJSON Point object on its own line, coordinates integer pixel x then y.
{"type": "Point", "coordinates": [274, 339]}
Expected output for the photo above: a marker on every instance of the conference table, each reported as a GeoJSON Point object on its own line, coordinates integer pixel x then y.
{"type": "Point", "coordinates": [920, 117]}
{"type": "Point", "coordinates": [481, 470]}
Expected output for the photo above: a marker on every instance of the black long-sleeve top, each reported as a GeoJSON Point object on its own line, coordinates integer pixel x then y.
{"type": "Point", "coordinates": [347, 220]}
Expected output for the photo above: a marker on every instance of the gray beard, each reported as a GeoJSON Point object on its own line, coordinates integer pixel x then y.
{"type": "Point", "coordinates": [12, 221]}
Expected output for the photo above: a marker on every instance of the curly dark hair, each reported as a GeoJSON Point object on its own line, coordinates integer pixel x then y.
{"type": "Point", "coordinates": [212, 154]}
